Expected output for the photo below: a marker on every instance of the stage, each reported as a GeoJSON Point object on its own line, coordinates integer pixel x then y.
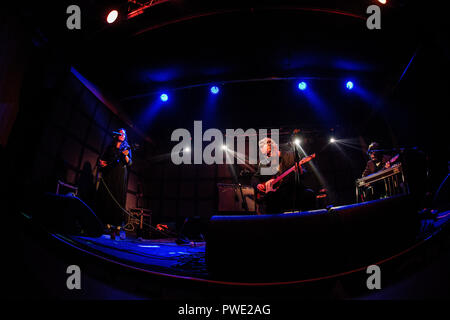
{"type": "Point", "coordinates": [161, 268]}
{"type": "Point", "coordinates": [271, 149]}
{"type": "Point", "coordinates": [167, 258]}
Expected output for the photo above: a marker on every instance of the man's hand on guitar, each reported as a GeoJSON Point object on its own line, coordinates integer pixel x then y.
{"type": "Point", "coordinates": [261, 187]}
{"type": "Point", "coordinates": [391, 161]}
{"type": "Point", "coordinates": [266, 186]}
{"type": "Point", "coordinates": [269, 185]}
{"type": "Point", "coordinates": [125, 152]}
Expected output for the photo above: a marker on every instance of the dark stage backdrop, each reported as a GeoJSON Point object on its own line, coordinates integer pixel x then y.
{"type": "Point", "coordinates": [61, 128]}
{"type": "Point", "coordinates": [65, 128]}
{"type": "Point", "coordinates": [14, 55]}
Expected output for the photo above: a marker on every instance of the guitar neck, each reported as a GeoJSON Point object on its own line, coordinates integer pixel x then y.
{"type": "Point", "coordinates": [284, 174]}
{"type": "Point", "coordinates": [290, 170]}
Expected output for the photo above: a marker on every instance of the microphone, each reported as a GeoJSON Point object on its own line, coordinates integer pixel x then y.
{"type": "Point", "coordinates": [115, 133]}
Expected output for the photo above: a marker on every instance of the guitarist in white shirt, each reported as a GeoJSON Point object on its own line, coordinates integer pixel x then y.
{"type": "Point", "coordinates": [280, 198]}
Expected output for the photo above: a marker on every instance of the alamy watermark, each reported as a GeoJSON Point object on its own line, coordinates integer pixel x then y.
{"type": "Point", "coordinates": [74, 279]}
{"type": "Point", "coordinates": [73, 22]}
{"type": "Point", "coordinates": [374, 280]}
{"type": "Point", "coordinates": [374, 20]}
{"type": "Point", "coordinates": [220, 150]}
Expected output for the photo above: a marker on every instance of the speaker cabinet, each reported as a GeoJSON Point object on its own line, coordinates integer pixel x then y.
{"type": "Point", "coordinates": [304, 245]}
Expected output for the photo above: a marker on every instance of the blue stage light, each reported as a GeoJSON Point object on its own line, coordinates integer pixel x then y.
{"type": "Point", "coordinates": [164, 97]}
{"type": "Point", "coordinates": [302, 85]}
{"type": "Point", "coordinates": [214, 90]}
{"type": "Point", "coordinates": [349, 85]}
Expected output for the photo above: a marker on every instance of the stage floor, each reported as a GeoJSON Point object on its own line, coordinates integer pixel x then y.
{"type": "Point", "coordinates": [156, 255]}
{"type": "Point", "coordinates": [166, 257]}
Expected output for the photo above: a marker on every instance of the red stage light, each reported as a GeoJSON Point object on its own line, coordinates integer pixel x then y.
{"type": "Point", "coordinates": [112, 16]}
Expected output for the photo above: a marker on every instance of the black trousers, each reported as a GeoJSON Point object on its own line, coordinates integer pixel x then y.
{"type": "Point", "coordinates": [111, 196]}
{"type": "Point", "coordinates": [288, 198]}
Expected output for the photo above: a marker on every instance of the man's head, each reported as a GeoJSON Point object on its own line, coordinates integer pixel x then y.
{"type": "Point", "coordinates": [268, 147]}
{"type": "Point", "coordinates": [373, 151]}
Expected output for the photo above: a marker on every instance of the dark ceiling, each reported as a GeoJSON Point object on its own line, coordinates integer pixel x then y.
{"type": "Point", "coordinates": [241, 42]}
{"type": "Point", "coordinates": [181, 47]}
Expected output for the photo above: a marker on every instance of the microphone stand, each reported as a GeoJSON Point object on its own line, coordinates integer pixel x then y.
{"type": "Point", "coordinates": [297, 176]}
{"type": "Point", "coordinates": [244, 203]}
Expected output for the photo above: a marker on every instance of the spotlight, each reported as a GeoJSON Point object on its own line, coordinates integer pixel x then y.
{"type": "Point", "coordinates": [332, 140]}
{"type": "Point", "coordinates": [187, 149]}
{"type": "Point", "coordinates": [224, 147]}
{"type": "Point", "coordinates": [302, 85]}
{"type": "Point", "coordinates": [382, 1]}
{"type": "Point", "coordinates": [214, 90]}
{"type": "Point", "coordinates": [164, 97]}
{"type": "Point", "coordinates": [112, 16]}
{"type": "Point", "coordinates": [297, 141]}
{"type": "Point", "coordinates": [349, 85]}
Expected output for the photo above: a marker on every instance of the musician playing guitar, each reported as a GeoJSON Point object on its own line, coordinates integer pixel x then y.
{"type": "Point", "coordinates": [275, 193]}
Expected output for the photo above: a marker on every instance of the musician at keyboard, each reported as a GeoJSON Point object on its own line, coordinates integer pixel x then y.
{"type": "Point", "coordinates": [281, 199]}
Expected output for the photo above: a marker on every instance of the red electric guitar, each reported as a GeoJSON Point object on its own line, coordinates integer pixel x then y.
{"type": "Point", "coordinates": [273, 184]}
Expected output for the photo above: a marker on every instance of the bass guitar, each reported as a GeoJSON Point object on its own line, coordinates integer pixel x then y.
{"type": "Point", "coordinates": [273, 184]}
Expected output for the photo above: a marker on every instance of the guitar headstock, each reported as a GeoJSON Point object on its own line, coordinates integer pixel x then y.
{"type": "Point", "coordinates": [308, 158]}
